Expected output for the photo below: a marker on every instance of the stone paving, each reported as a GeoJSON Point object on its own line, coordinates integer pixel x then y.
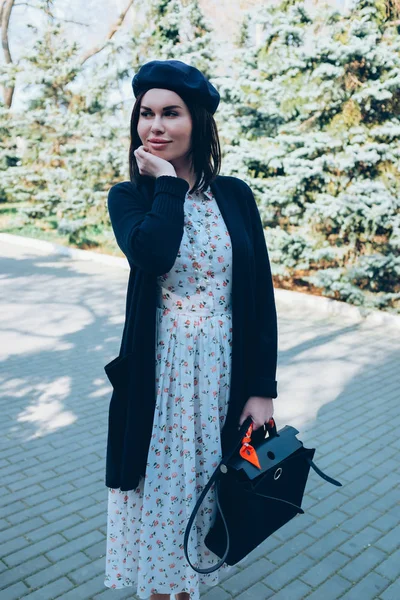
{"type": "Point", "coordinates": [338, 383]}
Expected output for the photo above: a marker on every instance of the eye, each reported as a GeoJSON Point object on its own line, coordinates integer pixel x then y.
{"type": "Point", "coordinates": [168, 112]}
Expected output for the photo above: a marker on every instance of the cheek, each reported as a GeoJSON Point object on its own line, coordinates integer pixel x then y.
{"type": "Point", "coordinates": [180, 131]}
{"type": "Point", "coordinates": [141, 128]}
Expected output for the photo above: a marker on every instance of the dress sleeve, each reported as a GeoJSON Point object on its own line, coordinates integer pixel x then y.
{"type": "Point", "coordinates": [150, 239]}
{"type": "Point", "coordinates": [265, 336]}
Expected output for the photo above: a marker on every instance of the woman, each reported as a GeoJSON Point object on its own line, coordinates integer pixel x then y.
{"type": "Point", "coordinates": [199, 347]}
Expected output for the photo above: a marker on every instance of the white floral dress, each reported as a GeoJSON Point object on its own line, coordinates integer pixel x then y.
{"type": "Point", "coordinates": [146, 526]}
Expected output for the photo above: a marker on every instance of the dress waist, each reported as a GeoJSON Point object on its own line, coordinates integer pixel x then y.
{"type": "Point", "coordinates": [204, 303]}
{"type": "Point", "coordinates": [198, 314]}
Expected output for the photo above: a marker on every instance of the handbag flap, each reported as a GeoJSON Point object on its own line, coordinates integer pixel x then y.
{"type": "Point", "coordinates": [270, 452]}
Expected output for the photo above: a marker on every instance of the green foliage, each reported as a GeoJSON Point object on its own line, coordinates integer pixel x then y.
{"type": "Point", "coordinates": [309, 117]}
{"type": "Point", "coordinates": [316, 106]}
{"type": "Point", "coordinates": [70, 144]}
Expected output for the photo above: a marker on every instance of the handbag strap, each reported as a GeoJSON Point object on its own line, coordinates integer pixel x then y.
{"type": "Point", "coordinates": [321, 474]}
{"type": "Point", "coordinates": [215, 477]}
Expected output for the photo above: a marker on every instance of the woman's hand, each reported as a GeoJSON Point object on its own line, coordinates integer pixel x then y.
{"type": "Point", "coordinates": [151, 165]}
{"type": "Point", "coordinates": [261, 410]}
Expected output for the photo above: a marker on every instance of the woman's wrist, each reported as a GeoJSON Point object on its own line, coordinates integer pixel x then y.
{"type": "Point", "coordinates": [167, 174]}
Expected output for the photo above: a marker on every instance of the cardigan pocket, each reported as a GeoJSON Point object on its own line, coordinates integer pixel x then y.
{"type": "Point", "coordinates": [119, 371]}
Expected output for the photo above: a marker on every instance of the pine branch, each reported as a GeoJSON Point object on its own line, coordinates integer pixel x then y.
{"type": "Point", "coordinates": [114, 28]}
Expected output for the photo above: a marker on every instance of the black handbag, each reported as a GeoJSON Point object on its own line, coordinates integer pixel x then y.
{"type": "Point", "coordinates": [258, 489]}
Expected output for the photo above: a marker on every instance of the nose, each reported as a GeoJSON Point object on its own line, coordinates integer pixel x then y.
{"type": "Point", "coordinates": [157, 124]}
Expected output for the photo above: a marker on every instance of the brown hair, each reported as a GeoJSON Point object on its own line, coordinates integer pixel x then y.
{"type": "Point", "coordinates": [205, 153]}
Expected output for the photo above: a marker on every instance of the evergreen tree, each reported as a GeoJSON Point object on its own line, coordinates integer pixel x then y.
{"type": "Point", "coordinates": [174, 29]}
{"type": "Point", "coordinates": [63, 163]}
{"type": "Point", "coordinates": [73, 141]}
{"type": "Point", "coordinates": [316, 110]}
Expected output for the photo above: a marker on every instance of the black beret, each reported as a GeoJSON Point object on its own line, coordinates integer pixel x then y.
{"type": "Point", "coordinates": [177, 76]}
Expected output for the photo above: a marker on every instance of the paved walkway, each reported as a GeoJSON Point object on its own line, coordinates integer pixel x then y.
{"type": "Point", "coordinates": [339, 384]}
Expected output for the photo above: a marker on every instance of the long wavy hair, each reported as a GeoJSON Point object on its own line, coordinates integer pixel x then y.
{"type": "Point", "coordinates": [205, 151]}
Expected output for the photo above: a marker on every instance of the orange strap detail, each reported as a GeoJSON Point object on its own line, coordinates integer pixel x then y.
{"type": "Point", "coordinates": [247, 451]}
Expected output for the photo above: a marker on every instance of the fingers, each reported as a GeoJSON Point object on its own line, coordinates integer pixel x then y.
{"type": "Point", "coordinates": [141, 149]}
{"type": "Point", "coordinates": [256, 425]}
{"type": "Point", "coordinates": [139, 155]}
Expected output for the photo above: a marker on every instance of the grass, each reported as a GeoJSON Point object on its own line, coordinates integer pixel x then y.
{"type": "Point", "coordinates": [46, 229]}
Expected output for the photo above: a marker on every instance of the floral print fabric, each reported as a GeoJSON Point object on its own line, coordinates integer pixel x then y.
{"type": "Point", "coordinates": [146, 526]}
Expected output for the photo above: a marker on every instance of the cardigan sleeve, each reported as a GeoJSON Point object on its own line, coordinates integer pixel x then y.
{"type": "Point", "coordinates": [150, 239]}
{"type": "Point", "coordinates": [262, 380]}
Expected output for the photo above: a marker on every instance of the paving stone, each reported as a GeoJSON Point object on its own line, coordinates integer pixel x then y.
{"type": "Point", "coordinates": [327, 543]}
{"type": "Point", "coordinates": [54, 571]}
{"type": "Point", "coordinates": [360, 520]}
{"type": "Point", "coordinates": [258, 590]}
{"type": "Point", "coordinates": [33, 550]}
{"type": "Point", "coordinates": [360, 540]}
{"type": "Point", "coordinates": [354, 505]}
{"type": "Point", "coordinates": [56, 527]}
{"type": "Point", "coordinates": [390, 567]}
{"type": "Point", "coordinates": [38, 498]}
{"type": "Point", "coordinates": [51, 590]}
{"type": "Point", "coordinates": [362, 564]}
{"type": "Point", "coordinates": [386, 522]}
{"type": "Point", "coordinates": [62, 510]}
{"type": "Point", "coordinates": [88, 571]}
{"type": "Point", "coordinates": [322, 526]}
{"type": "Point", "coordinates": [21, 529]}
{"type": "Point", "coordinates": [392, 592]}
{"type": "Point", "coordinates": [217, 593]}
{"type": "Point", "coordinates": [387, 501]}
{"type": "Point", "coordinates": [245, 578]}
{"type": "Point", "coordinates": [109, 594]}
{"type": "Point", "coordinates": [335, 500]}
{"type": "Point", "coordinates": [297, 590]}
{"type": "Point", "coordinates": [94, 510]}
{"type": "Point", "coordinates": [324, 568]}
{"type": "Point", "coordinates": [331, 589]}
{"type": "Point", "coordinates": [86, 590]}
{"type": "Point", "coordinates": [391, 540]}
{"type": "Point", "coordinates": [295, 526]}
{"type": "Point", "coordinates": [15, 591]}
{"type": "Point", "coordinates": [62, 551]}
{"type": "Point", "coordinates": [53, 529]}
{"type": "Point", "coordinates": [21, 571]}
{"type": "Point", "coordinates": [291, 570]}
{"type": "Point", "coordinates": [264, 549]}
{"type": "Point", "coordinates": [96, 550]}
{"type": "Point", "coordinates": [390, 481]}
{"type": "Point", "coordinates": [75, 476]}
{"type": "Point", "coordinates": [368, 588]}
{"type": "Point", "coordinates": [9, 512]}
{"type": "Point", "coordinates": [24, 513]}
{"type": "Point", "coordinates": [10, 498]}
{"type": "Point", "coordinates": [290, 548]}
{"type": "Point", "coordinates": [84, 527]}
{"type": "Point", "coordinates": [13, 545]}
{"type": "Point", "coordinates": [361, 484]}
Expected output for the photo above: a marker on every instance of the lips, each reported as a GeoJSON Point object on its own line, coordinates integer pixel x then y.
{"type": "Point", "coordinates": [155, 142]}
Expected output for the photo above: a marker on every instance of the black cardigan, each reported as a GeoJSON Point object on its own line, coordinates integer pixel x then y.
{"type": "Point", "coordinates": [148, 220]}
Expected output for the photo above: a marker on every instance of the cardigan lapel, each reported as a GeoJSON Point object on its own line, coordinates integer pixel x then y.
{"type": "Point", "coordinates": [229, 206]}
{"type": "Point", "coordinates": [228, 198]}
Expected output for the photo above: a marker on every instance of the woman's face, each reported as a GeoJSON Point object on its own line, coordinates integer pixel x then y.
{"type": "Point", "coordinates": [164, 115]}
